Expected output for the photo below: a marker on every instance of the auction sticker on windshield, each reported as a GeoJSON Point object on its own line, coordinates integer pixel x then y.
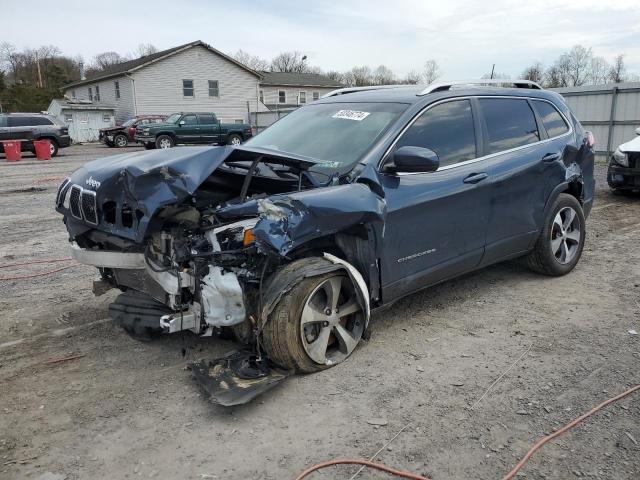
{"type": "Point", "coordinates": [351, 115]}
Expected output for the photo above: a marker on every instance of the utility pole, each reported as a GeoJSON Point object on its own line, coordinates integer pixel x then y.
{"type": "Point", "coordinates": [492, 70]}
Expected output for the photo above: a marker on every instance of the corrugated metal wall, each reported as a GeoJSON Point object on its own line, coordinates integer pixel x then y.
{"type": "Point", "coordinates": [611, 112]}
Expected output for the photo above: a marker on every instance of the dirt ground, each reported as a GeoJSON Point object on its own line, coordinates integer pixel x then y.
{"type": "Point", "coordinates": [130, 410]}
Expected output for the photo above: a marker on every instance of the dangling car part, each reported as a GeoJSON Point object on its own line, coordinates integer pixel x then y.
{"type": "Point", "coordinates": [343, 206]}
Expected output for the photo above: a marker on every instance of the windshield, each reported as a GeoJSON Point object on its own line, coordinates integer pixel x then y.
{"type": "Point", "coordinates": [173, 118]}
{"type": "Point", "coordinates": [335, 134]}
{"type": "Point", "coordinates": [129, 122]}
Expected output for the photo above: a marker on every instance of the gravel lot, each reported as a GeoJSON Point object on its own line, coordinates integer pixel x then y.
{"type": "Point", "coordinates": [130, 410]}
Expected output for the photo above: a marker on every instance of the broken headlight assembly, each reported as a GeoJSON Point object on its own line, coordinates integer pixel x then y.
{"type": "Point", "coordinates": [620, 158]}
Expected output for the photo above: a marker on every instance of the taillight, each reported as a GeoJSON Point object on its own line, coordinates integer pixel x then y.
{"type": "Point", "coordinates": [590, 139]}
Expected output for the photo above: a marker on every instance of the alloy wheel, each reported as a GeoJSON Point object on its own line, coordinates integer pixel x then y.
{"type": "Point", "coordinates": [52, 149]}
{"type": "Point", "coordinates": [165, 143]}
{"type": "Point", "coordinates": [332, 321]}
{"type": "Point", "coordinates": [235, 141]}
{"type": "Point", "coordinates": [566, 235]}
{"type": "Point", "coordinates": [121, 141]}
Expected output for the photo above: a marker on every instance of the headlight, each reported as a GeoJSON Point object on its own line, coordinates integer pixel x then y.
{"type": "Point", "coordinates": [146, 131]}
{"type": "Point", "coordinates": [620, 158]}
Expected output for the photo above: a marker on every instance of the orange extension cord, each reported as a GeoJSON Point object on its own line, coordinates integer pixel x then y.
{"type": "Point", "coordinates": [508, 476]}
{"type": "Point", "coordinates": [35, 262]}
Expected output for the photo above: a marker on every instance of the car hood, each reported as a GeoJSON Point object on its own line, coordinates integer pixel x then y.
{"type": "Point", "coordinates": [631, 146]}
{"type": "Point", "coordinates": [112, 129]}
{"type": "Point", "coordinates": [145, 182]}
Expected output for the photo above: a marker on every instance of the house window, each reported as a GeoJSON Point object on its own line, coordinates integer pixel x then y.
{"type": "Point", "coordinates": [316, 96]}
{"type": "Point", "coordinates": [97, 97]}
{"type": "Point", "coordinates": [187, 88]}
{"type": "Point", "coordinates": [213, 88]}
{"type": "Point", "coordinates": [302, 97]}
{"type": "Point", "coordinates": [73, 94]}
{"type": "Point", "coordinates": [261, 96]}
{"type": "Point", "coordinates": [68, 118]}
{"type": "Point", "coordinates": [90, 94]}
{"type": "Point", "coordinates": [238, 120]}
{"type": "Point", "coordinates": [117, 87]}
{"type": "Point", "coordinates": [282, 96]}
{"type": "Point", "coordinates": [106, 118]}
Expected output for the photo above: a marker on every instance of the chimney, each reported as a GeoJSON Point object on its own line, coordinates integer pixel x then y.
{"type": "Point", "coordinates": [82, 75]}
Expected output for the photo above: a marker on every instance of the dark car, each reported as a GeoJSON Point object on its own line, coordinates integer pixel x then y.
{"type": "Point", "coordinates": [623, 173]}
{"type": "Point", "coordinates": [192, 128]}
{"type": "Point", "coordinates": [28, 127]}
{"type": "Point", "coordinates": [120, 135]}
{"type": "Point", "coordinates": [343, 206]}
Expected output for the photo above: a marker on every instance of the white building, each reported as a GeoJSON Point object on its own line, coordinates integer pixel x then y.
{"type": "Point", "coordinates": [285, 90]}
{"type": "Point", "coordinates": [83, 119]}
{"type": "Point", "coordinates": [194, 77]}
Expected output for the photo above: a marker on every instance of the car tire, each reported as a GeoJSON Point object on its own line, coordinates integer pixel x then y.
{"type": "Point", "coordinates": [234, 139]}
{"type": "Point", "coordinates": [292, 346]}
{"type": "Point", "coordinates": [149, 145]}
{"type": "Point", "coordinates": [53, 147]}
{"type": "Point", "coordinates": [164, 141]}
{"type": "Point", "coordinates": [120, 140]}
{"type": "Point", "coordinates": [559, 246]}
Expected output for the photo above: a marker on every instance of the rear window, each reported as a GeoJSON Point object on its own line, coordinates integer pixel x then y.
{"type": "Point", "coordinates": [28, 121]}
{"type": "Point", "coordinates": [510, 123]}
{"type": "Point", "coordinates": [551, 118]}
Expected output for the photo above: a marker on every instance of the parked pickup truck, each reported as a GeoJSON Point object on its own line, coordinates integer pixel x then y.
{"type": "Point", "coordinates": [192, 128]}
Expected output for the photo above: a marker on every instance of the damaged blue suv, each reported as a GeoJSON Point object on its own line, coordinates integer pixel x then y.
{"type": "Point", "coordinates": [346, 205]}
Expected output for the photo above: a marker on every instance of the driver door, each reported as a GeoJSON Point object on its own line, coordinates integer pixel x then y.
{"type": "Point", "coordinates": [436, 222]}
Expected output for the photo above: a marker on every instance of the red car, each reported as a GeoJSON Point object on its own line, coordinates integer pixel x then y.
{"type": "Point", "coordinates": [121, 135]}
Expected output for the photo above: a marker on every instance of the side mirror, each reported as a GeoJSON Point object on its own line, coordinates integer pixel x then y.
{"type": "Point", "coordinates": [413, 159]}
{"type": "Point", "coordinates": [182, 122]}
{"type": "Point", "coordinates": [638, 131]}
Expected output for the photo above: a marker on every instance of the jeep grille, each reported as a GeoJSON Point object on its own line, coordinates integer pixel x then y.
{"type": "Point", "coordinates": [74, 201]}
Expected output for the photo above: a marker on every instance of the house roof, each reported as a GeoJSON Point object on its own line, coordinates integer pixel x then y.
{"type": "Point", "coordinates": [80, 105]}
{"type": "Point", "coordinates": [131, 65]}
{"type": "Point", "coordinates": [298, 79]}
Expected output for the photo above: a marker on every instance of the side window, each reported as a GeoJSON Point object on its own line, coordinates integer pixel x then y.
{"type": "Point", "coordinates": [39, 121]}
{"type": "Point", "coordinates": [551, 119]}
{"type": "Point", "coordinates": [21, 121]}
{"type": "Point", "coordinates": [189, 120]}
{"type": "Point", "coordinates": [510, 123]}
{"type": "Point", "coordinates": [206, 120]}
{"type": "Point", "coordinates": [447, 129]}
{"type": "Point", "coordinates": [187, 88]}
{"type": "Point", "coordinates": [3, 121]}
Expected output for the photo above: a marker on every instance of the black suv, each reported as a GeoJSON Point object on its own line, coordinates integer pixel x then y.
{"type": "Point", "coordinates": [34, 126]}
{"type": "Point", "coordinates": [341, 207]}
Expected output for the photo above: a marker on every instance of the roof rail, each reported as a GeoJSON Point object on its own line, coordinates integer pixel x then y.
{"type": "Point", "coordinates": [439, 87]}
{"type": "Point", "coordinates": [342, 91]}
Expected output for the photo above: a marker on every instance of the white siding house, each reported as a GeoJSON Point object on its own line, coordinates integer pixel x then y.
{"type": "Point", "coordinates": [193, 77]}
{"type": "Point", "coordinates": [285, 90]}
{"type": "Point", "coordinates": [83, 119]}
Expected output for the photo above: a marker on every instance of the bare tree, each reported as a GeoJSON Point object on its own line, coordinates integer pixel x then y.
{"type": "Point", "coordinates": [553, 77]}
{"type": "Point", "coordinates": [335, 75]}
{"type": "Point", "coordinates": [10, 57]}
{"type": "Point", "coordinates": [412, 78]}
{"type": "Point", "coordinates": [106, 59]}
{"type": "Point", "coordinates": [577, 62]}
{"type": "Point", "coordinates": [430, 71]}
{"type": "Point", "coordinates": [289, 62]}
{"type": "Point", "coordinates": [144, 49]}
{"type": "Point", "coordinates": [535, 72]}
{"type": "Point", "coordinates": [360, 76]}
{"type": "Point", "coordinates": [617, 71]}
{"type": "Point", "coordinates": [496, 75]}
{"type": "Point", "coordinates": [252, 61]}
{"type": "Point", "coordinates": [383, 76]}
{"type": "Point", "coordinates": [598, 71]}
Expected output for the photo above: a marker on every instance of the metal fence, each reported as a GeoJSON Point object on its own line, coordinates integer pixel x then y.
{"type": "Point", "coordinates": [611, 112]}
{"type": "Point", "coordinates": [261, 120]}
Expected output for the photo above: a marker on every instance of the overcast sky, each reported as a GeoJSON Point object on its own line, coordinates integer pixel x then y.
{"type": "Point", "coordinates": [465, 37]}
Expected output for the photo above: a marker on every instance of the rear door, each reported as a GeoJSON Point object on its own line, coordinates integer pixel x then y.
{"type": "Point", "coordinates": [209, 128]}
{"type": "Point", "coordinates": [188, 130]}
{"type": "Point", "coordinates": [526, 165]}
{"type": "Point", "coordinates": [436, 222]}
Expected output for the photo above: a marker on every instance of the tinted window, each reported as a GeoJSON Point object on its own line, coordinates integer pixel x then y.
{"type": "Point", "coordinates": [206, 120]}
{"type": "Point", "coordinates": [189, 120]}
{"type": "Point", "coordinates": [551, 119]}
{"type": "Point", "coordinates": [3, 121]}
{"type": "Point", "coordinates": [447, 129]}
{"type": "Point", "coordinates": [510, 123]}
{"type": "Point", "coordinates": [26, 121]}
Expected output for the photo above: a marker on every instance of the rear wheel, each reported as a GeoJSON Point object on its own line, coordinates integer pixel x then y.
{"type": "Point", "coordinates": [120, 140]}
{"type": "Point", "coordinates": [234, 139]}
{"type": "Point", "coordinates": [53, 148]}
{"type": "Point", "coordinates": [561, 241]}
{"type": "Point", "coordinates": [316, 325]}
{"type": "Point", "coordinates": [164, 141]}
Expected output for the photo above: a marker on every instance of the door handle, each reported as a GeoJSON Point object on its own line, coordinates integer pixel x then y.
{"type": "Point", "coordinates": [475, 177]}
{"type": "Point", "coordinates": [551, 157]}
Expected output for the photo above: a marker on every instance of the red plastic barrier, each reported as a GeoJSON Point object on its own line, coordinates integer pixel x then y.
{"type": "Point", "coordinates": [12, 150]}
{"type": "Point", "coordinates": [43, 149]}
